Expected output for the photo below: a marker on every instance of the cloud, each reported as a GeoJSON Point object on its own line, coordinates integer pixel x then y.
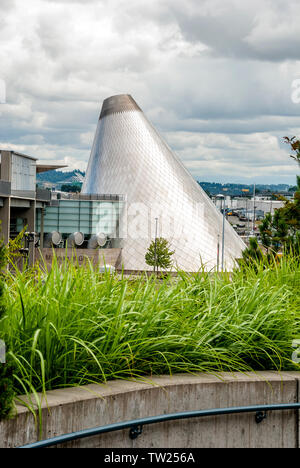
{"type": "Point", "coordinates": [237, 156]}
{"type": "Point", "coordinates": [260, 30]}
{"type": "Point", "coordinates": [215, 78]}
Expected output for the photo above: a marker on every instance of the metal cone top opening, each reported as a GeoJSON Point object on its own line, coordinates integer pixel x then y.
{"type": "Point", "coordinates": [118, 103]}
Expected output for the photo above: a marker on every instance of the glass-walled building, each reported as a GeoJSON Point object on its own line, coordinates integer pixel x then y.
{"type": "Point", "coordinates": [88, 215]}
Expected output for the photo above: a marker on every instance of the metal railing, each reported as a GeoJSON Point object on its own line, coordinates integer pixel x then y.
{"type": "Point", "coordinates": [95, 197]}
{"type": "Point", "coordinates": [136, 425]}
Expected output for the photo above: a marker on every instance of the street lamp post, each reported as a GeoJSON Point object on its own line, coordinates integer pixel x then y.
{"type": "Point", "coordinates": [221, 197]}
{"type": "Point", "coordinates": [247, 217]}
{"type": "Point", "coordinates": [253, 221]}
{"type": "Point", "coordinates": [155, 259]}
{"type": "Point", "coordinates": [218, 253]}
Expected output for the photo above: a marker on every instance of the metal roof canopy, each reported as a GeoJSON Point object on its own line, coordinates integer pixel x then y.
{"type": "Point", "coordinates": [48, 167]}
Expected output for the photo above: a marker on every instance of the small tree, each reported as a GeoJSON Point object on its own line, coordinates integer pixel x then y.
{"type": "Point", "coordinates": [280, 232]}
{"type": "Point", "coordinates": [159, 254]}
{"type": "Point", "coordinates": [290, 212]}
{"type": "Point", "coordinates": [252, 254]}
{"type": "Point", "coordinates": [265, 229]}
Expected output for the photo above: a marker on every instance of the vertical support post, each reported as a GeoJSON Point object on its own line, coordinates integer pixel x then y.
{"type": "Point", "coordinates": [6, 174]}
{"type": "Point", "coordinates": [218, 253]}
{"type": "Point", "coordinates": [5, 219]}
{"type": "Point", "coordinates": [155, 241]}
{"type": "Point", "coordinates": [223, 235]}
{"type": "Point", "coordinates": [31, 228]}
{"type": "Point", "coordinates": [247, 217]}
{"type": "Point", "coordinates": [42, 228]}
{"type": "Point", "coordinates": [253, 221]}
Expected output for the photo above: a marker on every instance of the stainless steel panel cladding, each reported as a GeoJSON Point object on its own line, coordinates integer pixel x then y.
{"type": "Point", "coordinates": [130, 157]}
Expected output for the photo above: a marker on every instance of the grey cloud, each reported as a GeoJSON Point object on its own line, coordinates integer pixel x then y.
{"type": "Point", "coordinates": [257, 30]}
{"type": "Point", "coordinates": [7, 5]}
{"type": "Point", "coordinates": [78, 2]}
{"type": "Point", "coordinates": [74, 54]}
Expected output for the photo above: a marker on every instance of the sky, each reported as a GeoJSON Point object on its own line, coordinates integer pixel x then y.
{"type": "Point", "coordinates": [219, 79]}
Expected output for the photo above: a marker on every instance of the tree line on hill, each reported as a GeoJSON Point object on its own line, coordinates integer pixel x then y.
{"type": "Point", "coordinates": [55, 176]}
{"type": "Point", "coordinates": [213, 188]}
{"type": "Point", "coordinates": [64, 179]}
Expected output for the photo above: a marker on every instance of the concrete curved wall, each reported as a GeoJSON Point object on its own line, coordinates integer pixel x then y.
{"type": "Point", "coordinates": [96, 405]}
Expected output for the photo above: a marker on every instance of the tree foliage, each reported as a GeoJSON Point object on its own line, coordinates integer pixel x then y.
{"type": "Point", "coordinates": [75, 188]}
{"type": "Point", "coordinates": [252, 253]}
{"type": "Point", "coordinates": [295, 147]}
{"type": "Point", "coordinates": [6, 370]}
{"type": "Point", "coordinates": [159, 254]}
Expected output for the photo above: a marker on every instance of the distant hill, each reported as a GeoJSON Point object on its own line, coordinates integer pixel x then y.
{"type": "Point", "coordinates": [58, 178]}
{"type": "Point", "coordinates": [214, 188]}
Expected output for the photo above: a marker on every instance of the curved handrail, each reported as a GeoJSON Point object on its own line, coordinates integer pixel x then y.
{"type": "Point", "coordinates": [136, 425]}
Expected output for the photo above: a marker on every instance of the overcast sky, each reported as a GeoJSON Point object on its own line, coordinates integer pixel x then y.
{"type": "Point", "coordinates": [218, 78]}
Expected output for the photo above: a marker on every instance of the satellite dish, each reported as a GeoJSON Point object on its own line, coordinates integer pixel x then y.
{"type": "Point", "coordinates": [55, 237]}
{"type": "Point", "coordinates": [77, 238]}
{"type": "Point", "coordinates": [101, 239]}
{"type": "Point", "coordinates": [98, 240]}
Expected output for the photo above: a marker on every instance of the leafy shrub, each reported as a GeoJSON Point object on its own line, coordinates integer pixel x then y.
{"type": "Point", "coordinates": [6, 390]}
{"type": "Point", "coordinates": [6, 370]}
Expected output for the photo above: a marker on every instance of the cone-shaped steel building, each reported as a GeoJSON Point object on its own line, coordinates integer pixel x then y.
{"type": "Point", "coordinates": [130, 157]}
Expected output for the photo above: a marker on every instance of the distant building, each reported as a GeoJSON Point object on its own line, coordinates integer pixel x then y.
{"type": "Point", "coordinates": [19, 198]}
{"type": "Point", "coordinates": [88, 222]}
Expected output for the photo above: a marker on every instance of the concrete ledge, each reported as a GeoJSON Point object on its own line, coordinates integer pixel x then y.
{"type": "Point", "coordinates": [74, 409]}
